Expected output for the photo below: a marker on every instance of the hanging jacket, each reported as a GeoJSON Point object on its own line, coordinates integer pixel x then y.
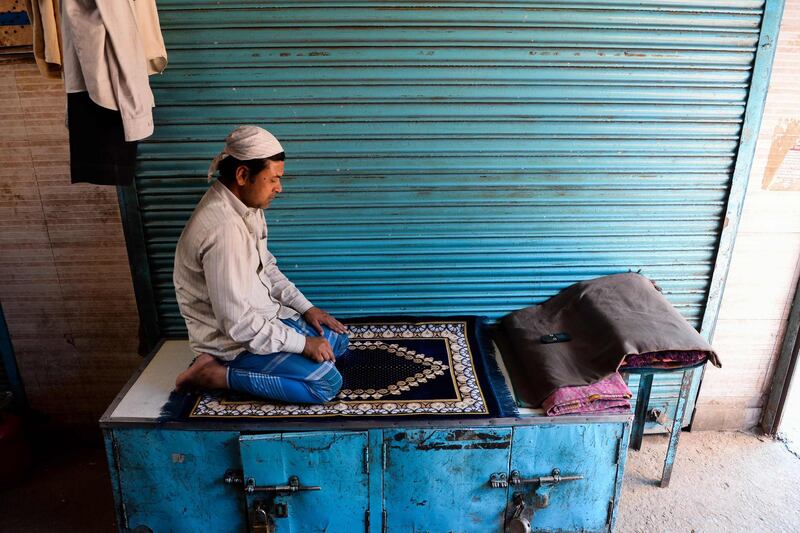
{"type": "Point", "coordinates": [150, 34]}
{"type": "Point", "coordinates": [105, 55]}
{"type": "Point", "coordinates": [45, 18]}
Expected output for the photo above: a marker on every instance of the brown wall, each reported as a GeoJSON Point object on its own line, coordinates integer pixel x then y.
{"type": "Point", "coordinates": [65, 284]}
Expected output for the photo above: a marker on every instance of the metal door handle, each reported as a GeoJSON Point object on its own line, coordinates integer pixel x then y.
{"type": "Point", "coordinates": [499, 480]}
{"type": "Point", "coordinates": [235, 477]}
{"type": "Point", "coordinates": [554, 478]}
{"type": "Point", "coordinates": [293, 486]}
{"type": "Point", "coordinates": [543, 485]}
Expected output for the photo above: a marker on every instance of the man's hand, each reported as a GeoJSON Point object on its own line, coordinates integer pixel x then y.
{"type": "Point", "coordinates": [318, 349]}
{"type": "Point", "coordinates": [317, 318]}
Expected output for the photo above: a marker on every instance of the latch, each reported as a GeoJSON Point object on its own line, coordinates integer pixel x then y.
{"type": "Point", "coordinates": [520, 515]}
{"type": "Point", "coordinates": [293, 486]}
{"type": "Point", "coordinates": [544, 484]}
{"type": "Point", "coordinates": [264, 511]}
{"type": "Point", "coordinates": [234, 477]}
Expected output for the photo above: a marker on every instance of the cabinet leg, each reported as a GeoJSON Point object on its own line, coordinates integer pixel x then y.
{"type": "Point", "coordinates": [680, 410]}
{"type": "Point", "coordinates": [642, 399]}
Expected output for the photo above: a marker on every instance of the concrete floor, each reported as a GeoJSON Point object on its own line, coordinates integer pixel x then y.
{"type": "Point", "coordinates": [790, 421]}
{"type": "Point", "coordinates": [68, 491]}
{"type": "Point", "coordinates": [721, 482]}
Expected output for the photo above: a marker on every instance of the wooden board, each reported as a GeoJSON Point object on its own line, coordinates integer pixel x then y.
{"type": "Point", "coordinates": [15, 36]}
{"type": "Point", "coordinates": [153, 387]}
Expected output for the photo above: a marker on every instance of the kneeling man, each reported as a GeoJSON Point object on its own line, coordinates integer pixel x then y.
{"type": "Point", "coordinates": [254, 331]}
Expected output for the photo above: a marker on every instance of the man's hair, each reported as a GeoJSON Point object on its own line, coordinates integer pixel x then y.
{"type": "Point", "coordinates": [227, 167]}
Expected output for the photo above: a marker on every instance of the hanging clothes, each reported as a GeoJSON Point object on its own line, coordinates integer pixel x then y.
{"type": "Point", "coordinates": [110, 47]}
{"type": "Point", "coordinates": [104, 55]}
{"type": "Point", "coordinates": [98, 152]}
{"type": "Point", "coordinates": [45, 18]}
{"type": "Point", "coordinates": [150, 33]}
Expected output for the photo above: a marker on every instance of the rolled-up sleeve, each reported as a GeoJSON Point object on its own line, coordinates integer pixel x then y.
{"type": "Point", "coordinates": [127, 68]}
{"type": "Point", "coordinates": [227, 261]}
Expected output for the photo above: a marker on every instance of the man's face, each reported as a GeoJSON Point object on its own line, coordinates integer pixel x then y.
{"type": "Point", "coordinates": [259, 190]}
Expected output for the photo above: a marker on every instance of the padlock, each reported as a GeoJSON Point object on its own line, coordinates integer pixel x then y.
{"type": "Point", "coordinates": [520, 521]}
{"type": "Point", "coordinates": [260, 521]}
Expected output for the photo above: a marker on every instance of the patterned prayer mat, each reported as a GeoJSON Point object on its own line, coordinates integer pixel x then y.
{"type": "Point", "coordinates": [397, 366]}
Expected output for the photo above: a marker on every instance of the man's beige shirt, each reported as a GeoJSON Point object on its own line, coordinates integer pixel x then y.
{"type": "Point", "coordinates": [229, 287]}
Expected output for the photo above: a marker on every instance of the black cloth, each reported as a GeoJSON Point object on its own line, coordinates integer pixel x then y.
{"type": "Point", "coordinates": [98, 152]}
{"type": "Point", "coordinates": [605, 319]}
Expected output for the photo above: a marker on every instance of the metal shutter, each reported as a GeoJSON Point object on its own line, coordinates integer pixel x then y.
{"type": "Point", "coordinates": [457, 156]}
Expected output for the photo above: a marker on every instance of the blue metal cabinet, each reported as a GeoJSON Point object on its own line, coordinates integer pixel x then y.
{"type": "Point", "coordinates": [327, 471]}
{"type": "Point", "coordinates": [438, 479]}
{"type": "Point", "coordinates": [417, 479]}
{"type": "Point", "coordinates": [588, 451]}
{"type": "Point", "coordinates": [172, 480]}
{"type": "Point", "coordinates": [422, 475]}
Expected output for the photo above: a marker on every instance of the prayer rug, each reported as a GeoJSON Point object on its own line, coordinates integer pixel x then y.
{"type": "Point", "coordinates": [401, 366]}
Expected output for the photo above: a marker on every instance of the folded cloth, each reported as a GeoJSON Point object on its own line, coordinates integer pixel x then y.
{"type": "Point", "coordinates": [606, 319]}
{"type": "Point", "coordinates": [609, 395]}
{"type": "Point", "coordinates": [666, 360]}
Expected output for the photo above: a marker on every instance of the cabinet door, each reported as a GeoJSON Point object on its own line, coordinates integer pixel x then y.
{"type": "Point", "coordinates": [334, 462]}
{"type": "Point", "coordinates": [587, 450]}
{"type": "Point", "coordinates": [171, 480]}
{"type": "Point", "coordinates": [438, 480]}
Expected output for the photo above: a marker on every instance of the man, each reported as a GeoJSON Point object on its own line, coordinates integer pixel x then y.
{"type": "Point", "coordinates": [242, 313]}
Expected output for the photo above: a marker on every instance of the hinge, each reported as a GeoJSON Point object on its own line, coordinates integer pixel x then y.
{"type": "Point", "coordinates": [384, 522]}
{"type": "Point", "coordinates": [384, 454]}
{"type": "Point", "coordinates": [610, 511]}
{"type": "Point", "coordinates": [619, 446]}
{"type": "Point", "coordinates": [365, 458]}
{"type": "Point", "coordinates": [366, 521]}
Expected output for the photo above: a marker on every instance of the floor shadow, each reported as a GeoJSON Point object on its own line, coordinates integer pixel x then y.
{"type": "Point", "coordinates": [67, 490]}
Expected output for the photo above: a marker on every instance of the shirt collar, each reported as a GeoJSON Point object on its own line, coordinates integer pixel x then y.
{"type": "Point", "coordinates": [231, 199]}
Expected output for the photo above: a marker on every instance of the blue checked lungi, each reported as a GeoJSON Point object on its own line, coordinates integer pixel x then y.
{"type": "Point", "coordinates": [289, 377]}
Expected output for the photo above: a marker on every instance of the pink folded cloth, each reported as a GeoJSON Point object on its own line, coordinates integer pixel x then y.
{"type": "Point", "coordinates": [607, 396]}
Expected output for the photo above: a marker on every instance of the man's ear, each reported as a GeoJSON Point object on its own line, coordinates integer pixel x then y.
{"type": "Point", "coordinates": [242, 175]}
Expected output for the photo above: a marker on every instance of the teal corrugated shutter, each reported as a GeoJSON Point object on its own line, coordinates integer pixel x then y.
{"type": "Point", "coordinates": [460, 157]}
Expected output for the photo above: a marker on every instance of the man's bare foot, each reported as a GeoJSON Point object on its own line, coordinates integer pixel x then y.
{"type": "Point", "coordinates": [206, 373]}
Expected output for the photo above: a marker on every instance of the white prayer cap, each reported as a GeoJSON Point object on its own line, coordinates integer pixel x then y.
{"type": "Point", "coordinates": [245, 143]}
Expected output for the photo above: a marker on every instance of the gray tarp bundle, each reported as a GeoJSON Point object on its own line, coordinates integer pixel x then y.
{"type": "Point", "coordinates": [607, 319]}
